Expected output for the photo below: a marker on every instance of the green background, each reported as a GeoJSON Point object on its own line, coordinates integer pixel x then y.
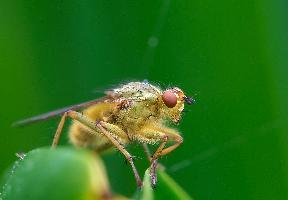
{"type": "Point", "coordinates": [230, 55]}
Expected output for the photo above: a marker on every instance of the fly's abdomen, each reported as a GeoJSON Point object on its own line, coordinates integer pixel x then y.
{"type": "Point", "coordinates": [83, 136]}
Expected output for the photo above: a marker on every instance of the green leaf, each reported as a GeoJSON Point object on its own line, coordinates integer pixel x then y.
{"type": "Point", "coordinates": [166, 188]}
{"type": "Point", "coordinates": [58, 174]}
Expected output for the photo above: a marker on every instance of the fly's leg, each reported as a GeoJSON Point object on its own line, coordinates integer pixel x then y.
{"type": "Point", "coordinates": [161, 151]}
{"type": "Point", "coordinates": [105, 129]}
{"type": "Point", "coordinates": [154, 161]}
{"type": "Point", "coordinates": [163, 135]}
{"type": "Point", "coordinates": [123, 151]}
{"type": "Point", "coordinates": [149, 156]}
{"type": "Point", "coordinates": [59, 131]}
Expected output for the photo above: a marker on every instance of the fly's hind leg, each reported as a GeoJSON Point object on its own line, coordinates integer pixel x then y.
{"type": "Point", "coordinates": [163, 135]}
{"type": "Point", "coordinates": [59, 131]}
{"type": "Point", "coordinates": [115, 135]}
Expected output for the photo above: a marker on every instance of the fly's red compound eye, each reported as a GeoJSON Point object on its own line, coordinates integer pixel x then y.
{"type": "Point", "coordinates": [169, 99]}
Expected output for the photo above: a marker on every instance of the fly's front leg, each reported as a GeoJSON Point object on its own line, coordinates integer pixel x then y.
{"type": "Point", "coordinates": [163, 135]}
{"type": "Point", "coordinates": [149, 156]}
{"type": "Point", "coordinates": [161, 151]}
{"type": "Point", "coordinates": [112, 132]}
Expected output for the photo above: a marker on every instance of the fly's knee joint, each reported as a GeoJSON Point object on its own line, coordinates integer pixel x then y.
{"type": "Point", "coordinates": [68, 112]}
{"type": "Point", "coordinates": [165, 138]}
{"type": "Point", "coordinates": [71, 114]}
{"type": "Point", "coordinates": [130, 159]}
{"type": "Point", "coordinates": [156, 156]}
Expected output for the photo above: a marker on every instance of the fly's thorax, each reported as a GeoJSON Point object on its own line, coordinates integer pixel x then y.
{"type": "Point", "coordinates": [138, 114]}
{"type": "Point", "coordinates": [138, 91]}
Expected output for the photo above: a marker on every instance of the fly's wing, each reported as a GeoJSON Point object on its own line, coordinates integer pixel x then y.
{"type": "Point", "coordinates": [58, 112]}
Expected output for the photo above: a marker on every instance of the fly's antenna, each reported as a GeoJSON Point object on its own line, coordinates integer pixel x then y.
{"type": "Point", "coordinates": [189, 100]}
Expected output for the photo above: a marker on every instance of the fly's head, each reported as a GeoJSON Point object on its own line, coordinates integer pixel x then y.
{"type": "Point", "coordinates": [172, 103]}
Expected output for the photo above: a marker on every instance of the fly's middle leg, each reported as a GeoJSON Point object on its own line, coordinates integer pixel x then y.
{"type": "Point", "coordinates": [111, 132]}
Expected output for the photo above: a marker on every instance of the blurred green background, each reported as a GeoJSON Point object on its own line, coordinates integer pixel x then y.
{"type": "Point", "coordinates": [231, 55]}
